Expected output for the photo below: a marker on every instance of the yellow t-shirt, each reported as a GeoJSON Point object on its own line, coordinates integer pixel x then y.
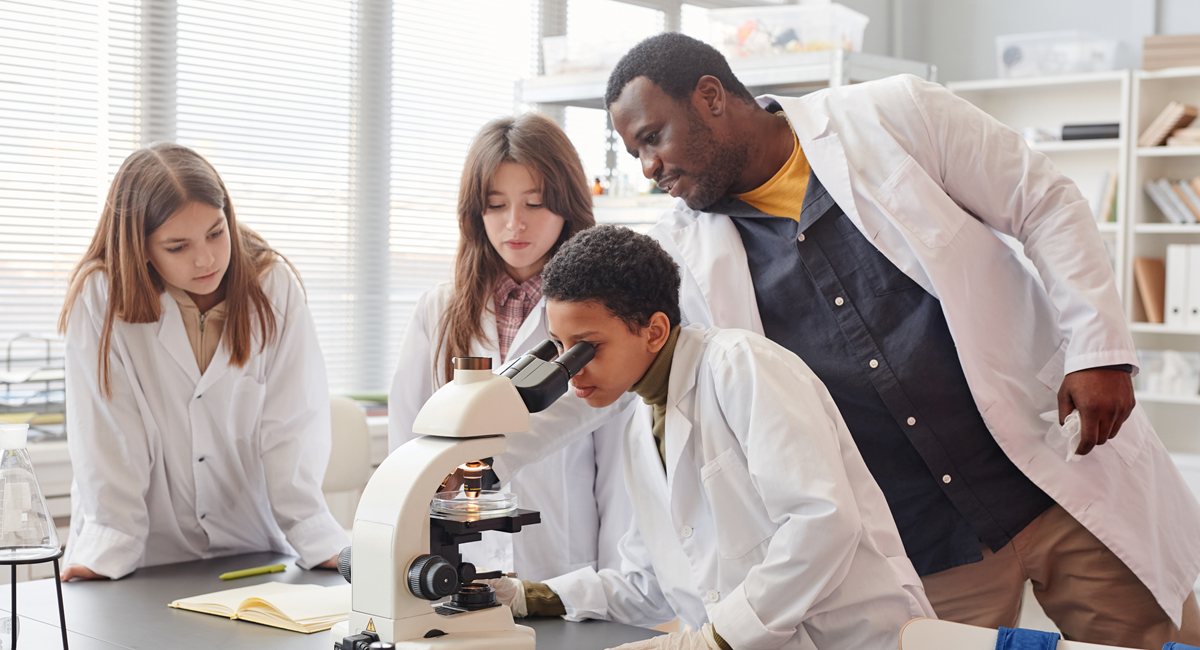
{"type": "Point", "coordinates": [783, 195]}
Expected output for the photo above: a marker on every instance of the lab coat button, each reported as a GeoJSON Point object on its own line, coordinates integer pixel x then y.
{"type": "Point", "coordinates": [912, 421]}
{"type": "Point", "coordinates": [838, 301]}
{"type": "Point", "coordinates": [946, 479]}
{"type": "Point", "coordinates": [712, 596]}
{"type": "Point", "coordinates": [202, 459]}
{"type": "Point", "coordinates": [801, 237]}
{"type": "Point", "coordinates": [873, 363]}
{"type": "Point", "coordinates": [686, 531]}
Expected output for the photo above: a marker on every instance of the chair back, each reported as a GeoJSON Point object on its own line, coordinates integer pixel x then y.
{"type": "Point", "coordinates": [932, 634]}
{"type": "Point", "coordinates": [350, 455]}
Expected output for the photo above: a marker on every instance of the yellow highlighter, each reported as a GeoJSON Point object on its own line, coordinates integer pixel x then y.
{"type": "Point", "coordinates": [245, 573]}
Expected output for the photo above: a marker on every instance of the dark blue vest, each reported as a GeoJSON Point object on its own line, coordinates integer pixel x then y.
{"type": "Point", "coordinates": [881, 345]}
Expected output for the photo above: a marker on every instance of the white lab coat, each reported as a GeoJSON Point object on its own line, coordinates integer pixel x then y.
{"type": "Point", "coordinates": [929, 179]}
{"type": "Point", "coordinates": [767, 521]}
{"type": "Point", "coordinates": [180, 466]}
{"type": "Point", "coordinates": [578, 488]}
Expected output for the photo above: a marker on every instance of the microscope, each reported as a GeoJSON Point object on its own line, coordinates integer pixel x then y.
{"type": "Point", "coordinates": [431, 495]}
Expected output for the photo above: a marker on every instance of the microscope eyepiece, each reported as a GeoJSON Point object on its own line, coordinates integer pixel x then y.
{"type": "Point", "coordinates": [540, 382]}
{"type": "Point", "coordinates": [577, 357]}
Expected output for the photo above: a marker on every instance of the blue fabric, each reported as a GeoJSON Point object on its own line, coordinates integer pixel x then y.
{"type": "Point", "coordinates": [1178, 646]}
{"type": "Point", "coordinates": [887, 317]}
{"type": "Point", "coordinates": [1022, 639]}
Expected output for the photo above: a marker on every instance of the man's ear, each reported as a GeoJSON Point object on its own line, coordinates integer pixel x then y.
{"type": "Point", "coordinates": [709, 96]}
{"type": "Point", "coordinates": [658, 331]}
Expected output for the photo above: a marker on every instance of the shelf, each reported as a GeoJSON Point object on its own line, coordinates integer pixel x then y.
{"type": "Point", "coordinates": [664, 5]}
{"type": "Point", "coordinates": [784, 74]}
{"type": "Point", "coordinates": [1156, 398]}
{"type": "Point", "coordinates": [1159, 328]}
{"type": "Point", "coordinates": [1036, 82]}
{"type": "Point", "coordinates": [1166, 229]}
{"type": "Point", "coordinates": [1168, 73]}
{"type": "Point", "coordinates": [610, 202]}
{"type": "Point", "coordinates": [641, 209]}
{"type": "Point", "coordinates": [1167, 152]}
{"type": "Point", "coordinates": [1052, 146]}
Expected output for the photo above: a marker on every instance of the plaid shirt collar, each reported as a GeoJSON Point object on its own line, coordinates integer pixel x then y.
{"type": "Point", "coordinates": [528, 291]}
{"type": "Point", "coordinates": [513, 304]}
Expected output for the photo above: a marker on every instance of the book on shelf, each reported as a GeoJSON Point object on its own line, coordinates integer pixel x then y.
{"type": "Point", "coordinates": [1178, 188]}
{"type": "Point", "coordinates": [1172, 201]}
{"type": "Point", "coordinates": [1105, 209]}
{"type": "Point", "coordinates": [1189, 137]}
{"type": "Point", "coordinates": [1150, 276]}
{"type": "Point", "coordinates": [1175, 116]}
{"type": "Point", "coordinates": [1173, 51]}
{"type": "Point", "coordinates": [295, 607]}
{"type": "Point", "coordinates": [1091, 131]}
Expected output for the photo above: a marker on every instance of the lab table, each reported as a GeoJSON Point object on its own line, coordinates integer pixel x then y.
{"type": "Point", "coordinates": [132, 613]}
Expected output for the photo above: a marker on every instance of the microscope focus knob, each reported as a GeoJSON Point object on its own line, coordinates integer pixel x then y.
{"type": "Point", "coordinates": [343, 563]}
{"type": "Point", "coordinates": [431, 577]}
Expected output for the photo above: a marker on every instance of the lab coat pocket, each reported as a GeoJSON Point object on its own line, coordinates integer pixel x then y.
{"type": "Point", "coordinates": [917, 202]}
{"type": "Point", "coordinates": [741, 521]}
{"type": "Point", "coordinates": [246, 403]}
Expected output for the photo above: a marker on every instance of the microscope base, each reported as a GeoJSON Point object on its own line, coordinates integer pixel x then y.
{"type": "Point", "coordinates": [519, 637]}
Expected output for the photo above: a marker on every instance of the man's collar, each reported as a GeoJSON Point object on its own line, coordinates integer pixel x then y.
{"type": "Point", "coordinates": [817, 202]}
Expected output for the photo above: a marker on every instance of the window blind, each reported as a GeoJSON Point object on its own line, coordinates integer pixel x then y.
{"type": "Point", "coordinates": [272, 93]}
{"type": "Point", "coordinates": [68, 73]}
{"type": "Point", "coordinates": [264, 90]}
{"type": "Point", "coordinates": [450, 77]}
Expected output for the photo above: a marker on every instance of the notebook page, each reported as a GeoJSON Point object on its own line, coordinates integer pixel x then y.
{"type": "Point", "coordinates": [226, 603]}
{"type": "Point", "coordinates": [319, 604]}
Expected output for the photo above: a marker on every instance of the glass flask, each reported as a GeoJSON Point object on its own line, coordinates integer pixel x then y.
{"type": "Point", "coordinates": [26, 529]}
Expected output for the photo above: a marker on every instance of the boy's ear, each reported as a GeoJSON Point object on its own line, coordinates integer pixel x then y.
{"type": "Point", "coordinates": [658, 331]}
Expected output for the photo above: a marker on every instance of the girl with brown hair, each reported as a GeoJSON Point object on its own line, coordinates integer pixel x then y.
{"type": "Point", "coordinates": [196, 391]}
{"type": "Point", "coordinates": [523, 193]}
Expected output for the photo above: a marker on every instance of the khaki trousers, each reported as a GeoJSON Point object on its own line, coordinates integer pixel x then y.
{"type": "Point", "coordinates": [1082, 586]}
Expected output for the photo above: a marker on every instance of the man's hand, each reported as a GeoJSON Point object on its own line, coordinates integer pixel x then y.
{"type": "Point", "coordinates": [78, 571]}
{"type": "Point", "coordinates": [702, 640]}
{"type": "Point", "coordinates": [1104, 399]}
{"type": "Point", "coordinates": [331, 563]}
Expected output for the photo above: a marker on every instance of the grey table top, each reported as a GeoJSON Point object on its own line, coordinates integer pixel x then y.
{"type": "Point", "coordinates": [132, 613]}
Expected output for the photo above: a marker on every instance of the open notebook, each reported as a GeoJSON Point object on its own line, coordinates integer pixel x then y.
{"type": "Point", "coordinates": [300, 608]}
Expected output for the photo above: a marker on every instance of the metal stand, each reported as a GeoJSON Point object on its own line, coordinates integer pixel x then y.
{"type": "Point", "coordinates": [62, 619]}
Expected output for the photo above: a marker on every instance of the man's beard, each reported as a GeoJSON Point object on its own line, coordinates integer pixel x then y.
{"type": "Point", "coordinates": [721, 164]}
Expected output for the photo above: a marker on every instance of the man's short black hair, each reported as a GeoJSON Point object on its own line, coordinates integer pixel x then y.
{"type": "Point", "coordinates": [625, 271]}
{"type": "Point", "coordinates": [675, 63]}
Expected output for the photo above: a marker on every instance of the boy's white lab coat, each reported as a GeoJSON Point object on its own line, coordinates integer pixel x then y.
{"type": "Point", "coordinates": [578, 488]}
{"type": "Point", "coordinates": [929, 179]}
{"type": "Point", "coordinates": [180, 466]}
{"type": "Point", "coordinates": [766, 522]}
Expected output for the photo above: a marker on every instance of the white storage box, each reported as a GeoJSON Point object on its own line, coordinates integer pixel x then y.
{"type": "Point", "coordinates": [1168, 372]}
{"type": "Point", "coordinates": [1053, 53]}
{"type": "Point", "coordinates": [565, 55]}
{"type": "Point", "coordinates": [762, 31]}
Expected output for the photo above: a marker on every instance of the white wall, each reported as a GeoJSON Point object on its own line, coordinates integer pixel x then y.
{"type": "Point", "coordinates": [959, 35]}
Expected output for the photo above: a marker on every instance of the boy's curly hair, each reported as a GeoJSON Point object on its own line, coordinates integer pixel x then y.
{"type": "Point", "coordinates": [625, 271]}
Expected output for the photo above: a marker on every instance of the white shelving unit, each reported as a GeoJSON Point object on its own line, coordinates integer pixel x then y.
{"type": "Point", "coordinates": [1174, 416]}
{"type": "Point", "coordinates": [1134, 99]}
{"type": "Point", "coordinates": [787, 74]}
{"type": "Point", "coordinates": [1049, 103]}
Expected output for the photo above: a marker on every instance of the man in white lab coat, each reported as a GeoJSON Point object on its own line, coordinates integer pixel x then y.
{"type": "Point", "coordinates": [756, 521]}
{"type": "Point", "coordinates": [857, 227]}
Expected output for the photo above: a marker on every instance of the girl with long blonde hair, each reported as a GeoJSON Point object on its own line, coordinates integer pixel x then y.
{"type": "Point", "coordinates": [196, 395]}
{"type": "Point", "coordinates": [523, 194]}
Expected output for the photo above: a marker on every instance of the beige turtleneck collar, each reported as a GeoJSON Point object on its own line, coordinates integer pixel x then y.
{"type": "Point", "coordinates": [203, 330]}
